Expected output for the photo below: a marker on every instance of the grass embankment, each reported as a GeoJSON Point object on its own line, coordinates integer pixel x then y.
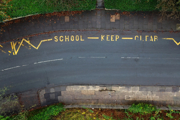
{"type": "Point", "coordinates": [27, 7]}
{"type": "Point", "coordinates": [131, 5]}
{"type": "Point", "coordinates": [139, 111]}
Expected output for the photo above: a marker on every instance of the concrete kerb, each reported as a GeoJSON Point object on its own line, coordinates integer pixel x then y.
{"type": "Point", "coordinates": [110, 95]}
{"type": "Point", "coordinates": [19, 18]}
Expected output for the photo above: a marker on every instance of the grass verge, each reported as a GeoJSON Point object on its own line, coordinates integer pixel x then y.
{"type": "Point", "coordinates": [26, 7]}
{"type": "Point", "coordinates": [139, 111]}
{"type": "Point", "coordinates": [131, 5]}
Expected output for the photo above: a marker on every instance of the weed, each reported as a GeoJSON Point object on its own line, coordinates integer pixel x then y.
{"type": "Point", "coordinates": [129, 116]}
{"type": "Point", "coordinates": [48, 112]}
{"type": "Point", "coordinates": [107, 117]}
{"type": "Point", "coordinates": [142, 108]}
{"type": "Point", "coordinates": [170, 112]}
{"type": "Point", "coordinates": [4, 118]}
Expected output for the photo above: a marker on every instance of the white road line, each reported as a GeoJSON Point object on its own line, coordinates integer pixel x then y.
{"type": "Point", "coordinates": [91, 57]}
{"type": "Point", "coordinates": [97, 57]}
{"type": "Point", "coordinates": [135, 57]}
{"type": "Point", "coordinates": [130, 57]}
{"type": "Point", "coordinates": [48, 61]}
{"type": "Point", "coordinates": [24, 65]}
{"type": "Point", "coordinates": [147, 58]}
{"type": "Point", "coordinates": [162, 58]}
{"type": "Point", "coordinates": [10, 68]}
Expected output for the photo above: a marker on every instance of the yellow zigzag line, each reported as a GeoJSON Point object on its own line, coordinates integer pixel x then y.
{"type": "Point", "coordinates": [177, 43]}
{"type": "Point", "coordinates": [13, 45]}
{"type": "Point", "coordinates": [3, 51]}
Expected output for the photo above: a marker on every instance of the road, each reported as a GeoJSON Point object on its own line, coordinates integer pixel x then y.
{"type": "Point", "coordinates": [106, 57]}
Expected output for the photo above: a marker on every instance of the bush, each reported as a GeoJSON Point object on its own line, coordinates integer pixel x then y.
{"type": "Point", "coordinates": [169, 8]}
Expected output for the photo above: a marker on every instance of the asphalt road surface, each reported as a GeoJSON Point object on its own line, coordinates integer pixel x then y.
{"type": "Point", "coordinates": [91, 57]}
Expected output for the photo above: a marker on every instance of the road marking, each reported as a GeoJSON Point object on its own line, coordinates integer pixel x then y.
{"type": "Point", "coordinates": [81, 57]}
{"type": "Point", "coordinates": [91, 57]}
{"type": "Point", "coordinates": [68, 38]}
{"type": "Point", "coordinates": [146, 58]}
{"type": "Point", "coordinates": [3, 51]}
{"type": "Point", "coordinates": [24, 65]}
{"type": "Point", "coordinates": [48, 61]}
{"type": "Point", "coordinates": [131, 57]}
{"type": "Point", "coordinates": [93, 37]}
{"type": "Point", "coordinates": [1, 46]}
{"type": "Point", "coordinates": [10, 68]}
{"type": "Point", "coordinates": [127, 38]}
{"type": "Point", "coordinates": [177, 43]}
{"type": "Point", "coordinates": [13, 45]}
{"type": "Point", "coordinates": [97, 57]}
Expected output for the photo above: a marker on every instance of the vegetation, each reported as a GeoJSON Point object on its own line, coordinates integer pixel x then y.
{"type": "Point", "coordinates": [142, 108]}
{"type": "Point", "coordinates": [46, 113]}
{"type": "Point", "coordinates": [168, 8]}
{"type": "Point", "coordinates": [17, 8]}
{"type": "Point", "coordinates": [131, 5]}
{"type": "Point", "coordinates": [8, 103]}
{"type": "Point", "coordinates": [139, 111]}
{"type": "Point", "coordinates": [3, 9]}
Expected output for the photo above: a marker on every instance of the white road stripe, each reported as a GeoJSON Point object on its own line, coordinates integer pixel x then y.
{"type": "Point", "coordinates": [148, 58]}
{"type": "Point", "coordinates": [81, 57]}
{"type": "Point", "coordinates": [24, 65]}
{"type": "Point", "coordinates": [97, 57]}
{"type": "Point", "coordinates": [11, 68]}
{"type": "Point", "coordinates": [91, 57]}
{"type": "Point", "coordinates": [48, 61]}
{"type": "Point", "coordinates": [130, 57]}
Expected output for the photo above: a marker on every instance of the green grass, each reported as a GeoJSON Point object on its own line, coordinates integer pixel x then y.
{"type": "Point", "coordinates": [142, 108]}
{"type": "Point", "coordinates": [39, 114]}
{"type": "Point", "coordinates": [46, 113]}
{"type": "Point", "coordinates": [26, 7]}
{"type": "Point", "coordinates": [131, 5]}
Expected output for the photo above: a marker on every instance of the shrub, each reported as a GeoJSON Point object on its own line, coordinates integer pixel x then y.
{"type": "Point", "coordinates": [169, 8]}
